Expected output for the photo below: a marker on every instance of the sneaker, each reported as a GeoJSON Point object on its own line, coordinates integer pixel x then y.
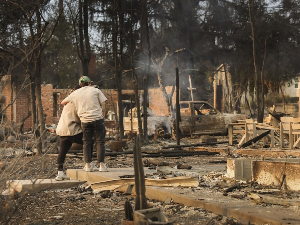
{"type": "Point", "coordinates": [62, 177]}
{"type": "Point", "coordinates": [103, 168]}
{"type": "Point", "coordinates": [90, 167]}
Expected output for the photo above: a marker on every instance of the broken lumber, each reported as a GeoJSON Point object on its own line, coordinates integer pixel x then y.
{"type": "Point", "coordinates": [128, 211]}
{"type": "Point", "coordinates": [163, 153]}
{"type": "Point", "coordinates": [181, 166]}
{"type": "Point", "coordinates": [178, 154]}
{"type": "Point", "coordinates": [198, 144]}
{"type": "Point", "coordinates": [232, 188]}
{"type": "Point", "coordinates": [274, 200]}
{"type": "Point", "coordinates": [33, 186]}
{"type": "Point", "coordinates": [156, 162]}
{"type": "Point", "coordinates": [253, 140]}
{"type": "Point", "coordinates": [181, 181]}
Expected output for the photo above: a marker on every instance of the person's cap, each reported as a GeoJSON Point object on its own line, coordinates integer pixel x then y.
{"type": "Point", "coordinates": [84, 79]}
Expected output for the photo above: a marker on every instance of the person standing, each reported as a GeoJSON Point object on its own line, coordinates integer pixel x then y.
{"type": "Point", "coordinates": [69, 131]}
{"type": "Point", "coordinates": [87, 101]}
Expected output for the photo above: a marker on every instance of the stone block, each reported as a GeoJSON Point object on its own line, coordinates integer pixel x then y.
{"type": "Point", "coordinates": [239, 169]}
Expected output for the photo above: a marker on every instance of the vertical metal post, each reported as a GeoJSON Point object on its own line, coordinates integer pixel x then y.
{"type": "Point", "coordinates": [131, 117]}
{"type": "Point", "coordinates": [177, 108]}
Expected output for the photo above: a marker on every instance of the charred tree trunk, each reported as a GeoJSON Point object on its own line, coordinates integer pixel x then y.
{"type": "Point", "coordinates": [262, 86]}
{"type": "Point", "coordinates": [257, 86]}
{"type": "Point", "coordinates": [84, 41]}
{"type": "Point", "coordinates": [134, 76]}
{"type": "Point", "coordinates": [168, 97]}
{"type": "Point", "coordinates": [144, 42]}
{"type": "Point", "coordinates": [119, 69]}
{"type": "Point", "coordinates": [40, 140]}
{"type": "Point", "coordinates": [118, 64]}
{"type": "Point", "coordinates": [37, 79]}
{"type": "Point", "coordinates": [138, 105]}
{"type": "Point", "coordinates": [32, 102]}
{"type": "Point", "coordinates": [38, 40]}
{"type": "Point", "coordinates": [228, 99]}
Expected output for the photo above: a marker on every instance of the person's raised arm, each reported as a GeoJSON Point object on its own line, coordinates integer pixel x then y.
{"type": "Point", "coordinates": [64, 102]}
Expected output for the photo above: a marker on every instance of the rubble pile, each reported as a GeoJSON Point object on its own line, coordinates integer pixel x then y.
{"type": "Point", "coordinates": [83, 203]}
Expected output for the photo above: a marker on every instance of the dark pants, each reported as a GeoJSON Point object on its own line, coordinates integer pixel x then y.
{"type": "Point", "coordinates": [96, 130]}
{"type": "Point", "coordinates": [65, 143]}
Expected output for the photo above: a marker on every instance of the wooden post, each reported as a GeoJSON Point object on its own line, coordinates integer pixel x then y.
{"type": "Point", "coordinates": [290, 135]}
{"type": "Point", "coordinates": [272, 139]}
{"type": "Point", "coordinates": [191, 88]}
{"type": "Point", "coordinates": [131, 117]}
{"type": "Point", "coordinates": [140, 189]}
{"type": "Point", "coordinates": [281, 135]}
{"type": "Point", "coordinates": [246, 132]}
{"type": "Point", "coordinates": [230, 134]}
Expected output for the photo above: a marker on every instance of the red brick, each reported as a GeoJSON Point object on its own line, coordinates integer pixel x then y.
{"type": "Point", "coordinates": [19, 109]}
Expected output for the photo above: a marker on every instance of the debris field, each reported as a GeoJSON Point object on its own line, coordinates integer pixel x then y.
{"type": "Point", "coordinates": [84, 205]}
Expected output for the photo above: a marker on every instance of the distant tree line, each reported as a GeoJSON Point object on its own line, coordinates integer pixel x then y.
{"type": "Point", "coordinates": [139, 44]}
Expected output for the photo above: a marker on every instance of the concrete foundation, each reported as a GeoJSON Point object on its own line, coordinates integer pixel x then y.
{"type": "Point", "coordinates": [280, 174]}
{"type": "Point", "coordinates": [208, 200]}
{"type": "Point", "coordinates": [274, 172]}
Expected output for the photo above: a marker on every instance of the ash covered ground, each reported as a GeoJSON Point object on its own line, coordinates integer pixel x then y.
{"type": "Point", "coordinates": [82, 205]}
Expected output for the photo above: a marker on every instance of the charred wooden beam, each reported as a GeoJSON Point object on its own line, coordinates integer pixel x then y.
{"type": "Point", "coordinates": [253, 140]}
{"type": "Point", "coordinates": [232, 188]}
{"type": "Point", "coordinates": [275, 114]}
{"type": "Point", "coordinates": [179, 154]}
{"type": "Point", "coordinates": [198, 144]}
{"type": "Point", "coordinates": [128, 211]}
{"type": "Point", "coordinates": [155, 154]}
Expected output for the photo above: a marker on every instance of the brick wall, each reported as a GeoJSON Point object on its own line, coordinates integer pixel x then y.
{"type": "Point", "coordinates": [22, 107]}
{"type": "Point", "coordinates": [51, 99]}
{"type": "Point", "coordinates": [16, 102]}
{"type": "Point", "coordinates": [112, 98]}
{"type": "Point", "coordinates": [158, 103]}
{"type": "Point", "coordinates": [18, 110]}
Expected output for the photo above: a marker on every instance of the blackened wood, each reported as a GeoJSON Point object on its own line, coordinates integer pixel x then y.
{"type": "Point", "coordinates": [253, 140]}
{"type": "Point", "coordinates": [140, 189]}
{"type": "Point", "coordinates": [198, 144]}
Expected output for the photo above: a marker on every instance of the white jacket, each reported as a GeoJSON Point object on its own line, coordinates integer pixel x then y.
{"type": "Point", "coordinates": [87, 102]}
{"type": "Point", "coordinates": [69, 122]}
